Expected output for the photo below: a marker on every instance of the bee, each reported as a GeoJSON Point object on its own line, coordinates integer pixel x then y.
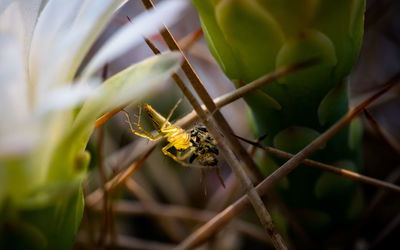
{"type": "Point", "coordinates": [205, 147]}
{"type": "Point", "coordinates": [195, 144]}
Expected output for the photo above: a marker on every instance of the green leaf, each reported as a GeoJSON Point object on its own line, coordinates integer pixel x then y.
{"type": "Point", "coordinates": [334, 105]}
{"type": "Point", "coordinates": [239, 21]}
{"type": "Point", "coordinates": [332, 185]}
{"type": "Point", "coordinates": [50, 227]}
{"type": "Point", "coordinates": [216, 41]}
{"type": "Point", "coordinates": [294, 139]}
{"type": "Point", "coordinates": [129, 85]}
{"type": "Point", "coordinates": [355, 134]}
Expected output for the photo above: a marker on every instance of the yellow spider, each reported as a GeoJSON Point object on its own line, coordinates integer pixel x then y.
{"type": "Point", "coordinates": [196, 143]}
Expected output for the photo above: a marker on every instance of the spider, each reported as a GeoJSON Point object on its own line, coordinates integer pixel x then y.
{"type": "Point", "coordinates": [195, 144]}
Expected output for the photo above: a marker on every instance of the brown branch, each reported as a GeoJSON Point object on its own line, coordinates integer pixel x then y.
{"type": "Point", "coordinates": [210, 228]}
{"type": "Point", "coordinates": [377, 198]}
{"type": "Point", "coordinates": [224, 141]}
{"type": "Point", "coordinates": [127, 242]}
{"type": "Point", "coordinates": [382, 133]}
{"type": "Point", "coordinates": [119, 179]}
{"type": "Point", "coordinates": [187, 42]}
{"type": "Point", "coordinates": [393, 224]}
{"type": "Point", "coordinates": [100, 121]}
{"type": "Point", "coordinates": [184, 213]}
{"type": "Point", "coordinates": [103, 180]}
{"type": "Point", "coordinates": [330, 168]}
{"type": "Point", "coordinates": [171, 227]}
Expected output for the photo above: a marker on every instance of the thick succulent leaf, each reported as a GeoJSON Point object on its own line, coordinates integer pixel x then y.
{"type": "Point", "coordinates": [334, 105]}
{"type": "Point", "coordinates": [294, 139]}
{"type": "Point", "coordinates": [268, 114]}
{"type": "Point", "coordinates": [342, 21]}
{"type": "Point", "coordinates": [304, 88]}
{"type": "Point", "coordinates": [355, 134]}
{"type": "Point", "coordinates": [356, 206]}
{"type": "Point", "coordinates": [217, 43]}
{"type": "Point", "coordinates": [334, 186]}
{"type": "Point", "coordinates": [252, 52]}
{"type": "Point", "coordinates": [292, 15]}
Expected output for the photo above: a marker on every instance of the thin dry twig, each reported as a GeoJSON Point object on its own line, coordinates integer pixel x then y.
{"type": "Point", "coordinates": [394, 223]}
{"type": "Point", "coordinates": [101, 120]}
{"type": "Point", "coordinates": [105, 218]}
{"type": "Point", "coordinates": [329, 168]}
{"type": "Point", "coordinates": [382, 133]}
{"type": "Point", "coordinates": [118, 180]}
{"type": "Point", "coordinates": [184, 213]}
{"type": "Point", "coordinates": [127, 242]}
{"type": "Point", "coordinates": [380, 194]}
{"type": "Point", "coordinates": [174, 230]}
{"type": "Point", "coordinates": [211, 227]}
{"type": "Point", "coordinates": [187, 42]}
{"type": "Point", "coordinates": [87, 224]}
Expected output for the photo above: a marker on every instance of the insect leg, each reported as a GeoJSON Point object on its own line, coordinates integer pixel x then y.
{"type": "Point", "coordinates": [186, 154]}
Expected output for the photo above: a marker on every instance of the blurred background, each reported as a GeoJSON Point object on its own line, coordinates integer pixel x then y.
{"type": "Point", "coordinates": [177, 191]}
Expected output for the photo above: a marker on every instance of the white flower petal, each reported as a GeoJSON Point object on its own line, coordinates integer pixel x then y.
{"type": "Point", "coordinates": [148, 23]}
{"type": "Point", "coordinates": [30, 11]}
{"type": "Point", "coordinates": [14, 96]}
{"type": "Point", "coordinates": [11, 22]}
{"type": "Point", "coordinates": [56, 17]}
{"type": "Point", "coordinates": [72, 46]}
{"type": "Point", "coordinates": [66, 97]}
{"type": "Point", "coordinates": [90, 22]}
{"type": "Point", "coordinates": [4, 4]}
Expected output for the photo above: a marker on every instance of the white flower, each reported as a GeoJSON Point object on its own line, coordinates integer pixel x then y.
{"type": "Point", "coordinates": [47, 114]}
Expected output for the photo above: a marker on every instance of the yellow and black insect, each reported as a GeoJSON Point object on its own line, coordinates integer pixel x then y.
{"type": "Point", "coordinates": [196, 144]}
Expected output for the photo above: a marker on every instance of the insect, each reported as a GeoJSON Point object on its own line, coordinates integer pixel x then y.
{"type": "Point", "coordinates": [195, 144]}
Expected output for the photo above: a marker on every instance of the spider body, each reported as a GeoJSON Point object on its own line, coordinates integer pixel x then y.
{"type": "Point", "coordinates": [195, 144]}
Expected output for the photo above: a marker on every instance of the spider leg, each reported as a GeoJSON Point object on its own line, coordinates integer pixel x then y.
{"type": "Point", "coordinates": [178, 158]}
{"type": "Point", "coordinates": [144, 133]}
{"type": "Point", "coordinates": [170, 114]}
